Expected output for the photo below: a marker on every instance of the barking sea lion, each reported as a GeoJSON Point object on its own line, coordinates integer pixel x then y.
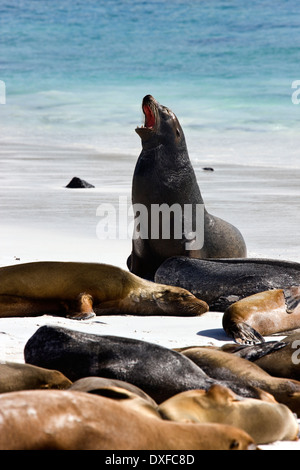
{"type": "Point", "coordinates": [165, 179]}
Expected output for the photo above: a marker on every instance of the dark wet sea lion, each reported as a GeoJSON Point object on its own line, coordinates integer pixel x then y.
{"type": "Point", "coordinates": [66, 420]}
{"type": "Point", "coordinates": [164, 176]}
{"type": "Point", "coordinates": [15, 377]}
{"type": "Point", "coordinates": [158, 371]}
{"type": "Point", "coordinates": [222, 282]}
{"type": "Point", "coordinates": [81, 290]}
{"type": "Point", "coordinates": [263, 314]}
{"type": "Point", "coordinates": [221, 365]}
{"type": "Point", "coordinates": [265, 422]}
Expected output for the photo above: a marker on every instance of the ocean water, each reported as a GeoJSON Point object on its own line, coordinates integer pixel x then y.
{"type": "Point", "coordinates": [75, 74]}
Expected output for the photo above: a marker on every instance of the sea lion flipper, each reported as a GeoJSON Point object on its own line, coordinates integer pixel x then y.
{"type": "Point", "coordinates": [292, 298]}
{"type": "Point", "coordinates": [254, 352]}
{"type": "Point", "coordinates": [83, 309]}
{"type": "Point", "coordinates": [81, 315]}
{"type": "Point", "coordinates": [244, 334]}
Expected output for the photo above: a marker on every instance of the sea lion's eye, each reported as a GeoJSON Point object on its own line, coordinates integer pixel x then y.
{"type": "Point", "coordinates": [178, 132]}
{"type": "Point", "coordinates": [234, 445]}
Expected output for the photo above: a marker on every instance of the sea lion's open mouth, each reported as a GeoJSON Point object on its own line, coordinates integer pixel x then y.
{"type": "Point", "coordinates": [150, 123]}
{"type": "Point", "coordinates": [149, 117]}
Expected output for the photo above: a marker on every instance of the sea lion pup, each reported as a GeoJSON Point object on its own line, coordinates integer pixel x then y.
{"type": "Point", "coordinates": [284, 362]}
{"type": "Point", "coordinates": [221, 365]}
{"type": "Point", "coordinates": [81, 290]}
{"type": "Point", "coordinates": [164, 180]}
{"type": "Point", "coordinates": [14, 377]}
{"type": "Point", "coordinates": [157, 370]}
{"type": "Point", "coordinates": [263, 314]}
{"type": "Point", "coordinates": [264, 422]}
{"type": "Point", "coordinates": [135, 398]}
{"type": "Point", "coordinates": [66, 420]}
{"type": "Point", "coordinates": [222, 282]}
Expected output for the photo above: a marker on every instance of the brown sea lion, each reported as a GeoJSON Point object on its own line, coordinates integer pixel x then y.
{"type": "Point", "coordinates": [286, 361]}
{"type": "Point", "coordinates": [66, 420]}
{"type": "Point", "coordinates": [164, 179]}
{"type": "Point", "coordinates": [222, 365]}
{"type": "Point", "coordinates": [263, 314]}
{"type": "Point", "coordinates": [265, 422]}
{"type": "Point", "coordinates": [136, 399]}
{"type": "Point", "coordinates": [103, 386]}
{"type": "Point", "coordinates": [14, 377]}
{"type": "Point", "coordinates": [81, 290]}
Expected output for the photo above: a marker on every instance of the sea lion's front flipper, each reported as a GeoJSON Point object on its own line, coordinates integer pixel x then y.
{"type": "Point", "coordinates": [81, 316]}
{"type": "Point", "coordinates": [244, 334]}
{"type": "Point", "coordinates": [83, 309]}
{"type": "Point", "coordinates": [292, 298]}
{"type": "Point", "coordinates": [253, 352]}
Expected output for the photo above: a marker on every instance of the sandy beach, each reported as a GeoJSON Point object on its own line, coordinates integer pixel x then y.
{"type": "Point", "coordinates": [43, 220]}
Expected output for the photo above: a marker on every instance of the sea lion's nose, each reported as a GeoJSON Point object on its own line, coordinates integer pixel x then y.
{"type": "Point", "coordinates": [147, 99]}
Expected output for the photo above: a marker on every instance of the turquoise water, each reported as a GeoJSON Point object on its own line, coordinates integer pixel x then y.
{"type": "Point", "coordinates": [76, 72]}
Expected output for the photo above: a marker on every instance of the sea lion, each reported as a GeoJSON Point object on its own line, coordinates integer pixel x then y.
{"type": "Point", "coordinates": [251, 352]}
{"type": "Point", "coordinates": [221, 365]}
{"type": "Point", "coordinates": [136, 399]}
{"type": "Point", "coordinates": [284, 362]}
{"type": "Point", "coordinates": [264, 422]}
{"type": "Point", "coordinates": [102, 385]}
{"type": "Point", "coordinates": [14, 377]}
{"type": "Point", "coordinates": [81, 290]}
{"type": "Point", "coordinates": [66, 420]}
{"type": "Point", "coordinates": [263, 314]}
{"type": "Point", "coordinates": [222, 282]}
{"type": "Point", "coordinates": [164, 178]}
{"type": "Point", "coordinates": [157, 370]}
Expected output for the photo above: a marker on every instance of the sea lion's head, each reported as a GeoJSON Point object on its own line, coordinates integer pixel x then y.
{"type": "Point", "coordinates": [177, 301]}
{"type": "Point", "coordinates": [161, 126]}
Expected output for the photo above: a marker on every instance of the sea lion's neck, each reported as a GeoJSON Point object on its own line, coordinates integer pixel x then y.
{"type": "Point", "coordinates": [166, 154]}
